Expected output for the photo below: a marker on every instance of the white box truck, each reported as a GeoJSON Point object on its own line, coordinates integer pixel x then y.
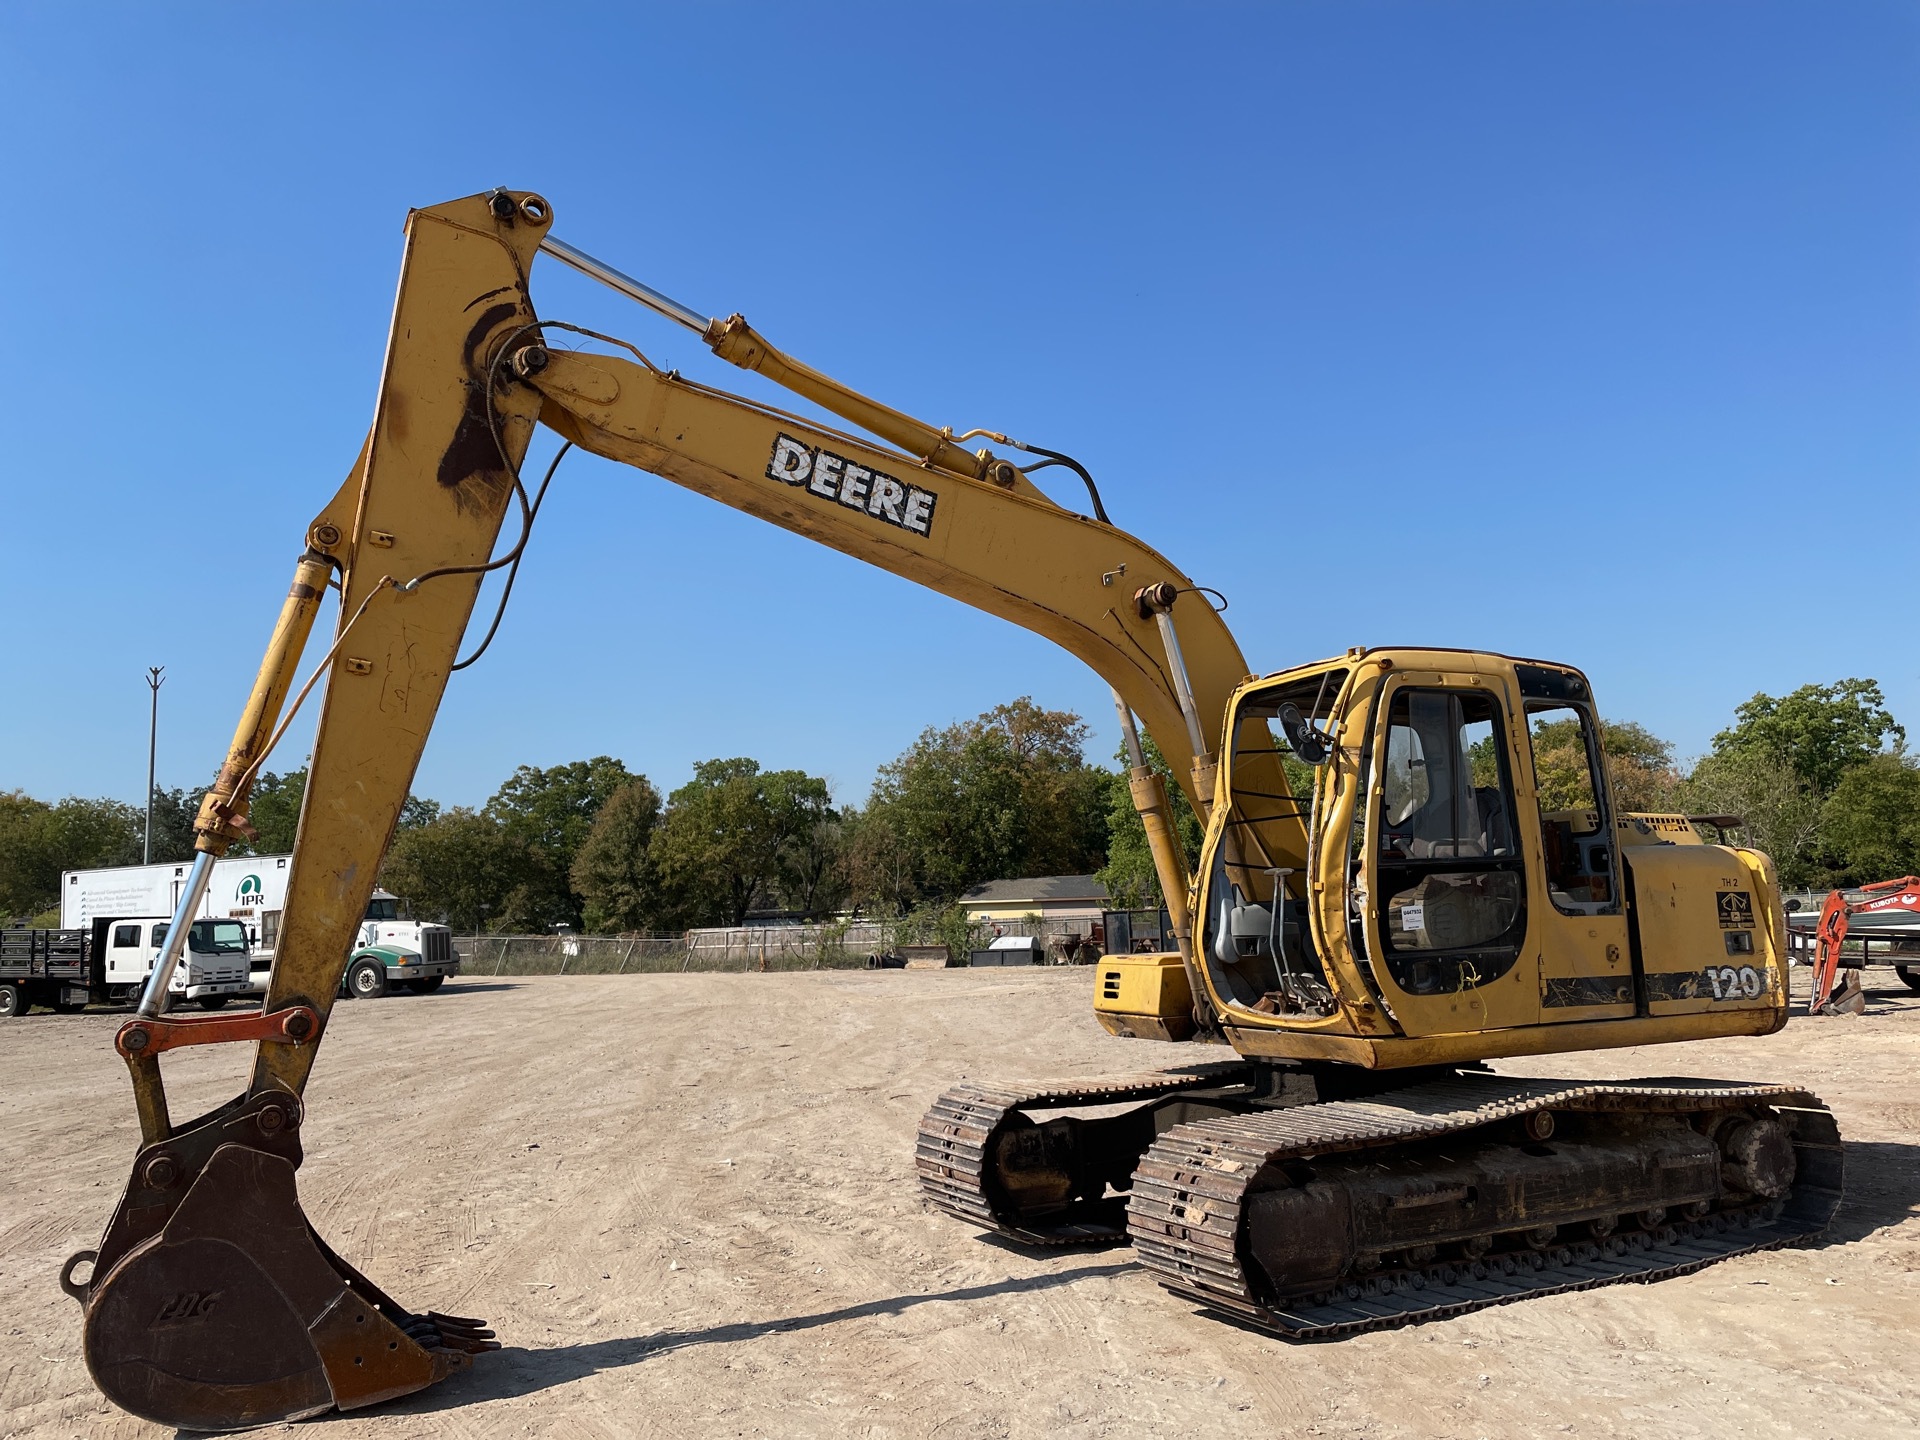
{"type": "Point", "coordinates": [390, 951]}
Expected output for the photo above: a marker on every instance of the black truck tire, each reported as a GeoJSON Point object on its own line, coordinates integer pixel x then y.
{"type": "Point", "coordinates": [13, 1001]}
{"type": "Point", "coordinates": [1909, 975]}
{"type": "Point", "coordinates": [212, 1002]}
{"type": "Point", "coordinates": [367, 980]}
{"type": "Point", "coordinates": [426, 984]}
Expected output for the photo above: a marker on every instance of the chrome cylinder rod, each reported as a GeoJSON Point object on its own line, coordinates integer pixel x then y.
{"type": "Point", "coordinates": [1129, 732]}
{"type": "Point", "coordinates": [154, 997]}
{"type": "Point", "coordinates": [626, 285]}
{"type": "Point", "coordinates": [1182, 687]}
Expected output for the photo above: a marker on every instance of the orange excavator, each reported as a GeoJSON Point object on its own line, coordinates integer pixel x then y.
{"type": "Point", "coordinates": [1895, 901]}
{"type": "Point", "coordinates": [1383, 902]}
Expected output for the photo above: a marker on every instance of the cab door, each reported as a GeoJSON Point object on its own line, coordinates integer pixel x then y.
{"type": "Point", "coordinates": [1445, 892]}
{"type": "Point", "coordinates": [156, 944]}
{"type": "Point", "coordinates": [127, 960]}
{"type": "Point", "coordinates": [1580, 921]}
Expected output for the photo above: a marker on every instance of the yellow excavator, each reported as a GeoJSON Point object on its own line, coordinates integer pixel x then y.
{"type": "Point", "coordinates": [1381, 904]}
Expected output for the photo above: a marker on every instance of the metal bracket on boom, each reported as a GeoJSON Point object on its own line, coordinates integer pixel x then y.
{"type": "Point", "coordinates": [296, 1025]}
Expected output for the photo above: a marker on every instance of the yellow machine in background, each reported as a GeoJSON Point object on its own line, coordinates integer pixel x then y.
{"type": "Point", "coordinates": [1362, 942]}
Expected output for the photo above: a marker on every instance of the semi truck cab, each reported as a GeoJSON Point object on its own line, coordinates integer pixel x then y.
{"type": "Point", "coordinates": [393, 950]}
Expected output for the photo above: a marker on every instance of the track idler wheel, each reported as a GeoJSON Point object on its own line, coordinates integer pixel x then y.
{"type": "Point", "coordinates": [214, 1306]}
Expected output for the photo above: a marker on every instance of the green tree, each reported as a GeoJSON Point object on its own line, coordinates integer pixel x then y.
{"type": "Point", "coordinates": [1004, 795]}
{"type": "Point", "coordinates": [1870, 825]}
{"type": "Point", "coordinates": [813, 866]}
{"type": "Point", "coordinates": [38, 841]}
{"type": "Point", "coordinates": [1640, 766]}
{"type": "Point", "coordinates": [878, 867]}
{"type": "Point", "coordinates": [720, 847]}
{"type": "Point", "coordinates": [1129, 874]}
{"type": "Point", "coordinates": [415, 812]}
{"type": "Point", "coordinates": [90, 833]}
{"type": "Point", "coordinates": [174, 812]}
{"type": "Point", "coordinates": [613, 873]}
{"type": "Point", "coordinates": [950, 807]}
{"type": "Point", "coordinates": [553, 810]}
{"type": "Point", "coordinates": [1780, 814]}
{"type": "Point", "coordinates": [1819, 732]}
{"type": "Point", "coordinates": [273, 810]}
{"type": "Point", "coordinates": [475, 873]}
{"type": "Point", "coordinates": [1782, 760]}
{"type": "Point", "coordinates": [25, 855]}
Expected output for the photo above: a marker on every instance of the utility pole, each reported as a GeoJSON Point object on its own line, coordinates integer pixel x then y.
{"type": "Point", "coordinates": [156, 677]}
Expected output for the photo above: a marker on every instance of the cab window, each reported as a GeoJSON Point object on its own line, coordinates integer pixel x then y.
{"type": "Point", "coordinates": [1443, 791]}
{"type": "Point", "coordinates": [126, 935]}
{"type": "Point", "coordinates": [217, 937]}
{"type": "Point", "coordinates": [1573, 808]}
{"type": "Point", "coordinates": [1258, 932]}
{"type": "Point", "coordinates": [383, 908]}
{"type": "Point", "coordinates": [1450, 890]}
{"type": "Point", "coordinates": [159, 936]}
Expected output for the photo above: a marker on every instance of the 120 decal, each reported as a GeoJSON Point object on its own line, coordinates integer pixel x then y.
{"type": "Point", "coordinates": [1732, 982]}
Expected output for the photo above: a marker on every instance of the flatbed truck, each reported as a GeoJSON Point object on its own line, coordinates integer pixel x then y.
{"type": "Point", "coordinates": [106, 963]}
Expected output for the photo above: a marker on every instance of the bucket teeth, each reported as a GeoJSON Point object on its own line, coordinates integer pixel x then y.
{"type": "Point", "coordinates": [452, 1332]}
{"type": "Point", "coordinates": [464, 1334]}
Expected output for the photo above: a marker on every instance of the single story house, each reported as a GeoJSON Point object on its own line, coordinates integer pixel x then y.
{"type": "Point", "coordinates": [1071, 902]}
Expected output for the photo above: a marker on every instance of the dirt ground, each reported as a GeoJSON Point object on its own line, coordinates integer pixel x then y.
{"type": "Point", "coordinates": [688, 1204]}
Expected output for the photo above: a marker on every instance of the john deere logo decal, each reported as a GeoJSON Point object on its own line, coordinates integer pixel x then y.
{"type": "Point", "coordinates": [834, 477]}
{"type": "Point", "coordinates": [249, 889]}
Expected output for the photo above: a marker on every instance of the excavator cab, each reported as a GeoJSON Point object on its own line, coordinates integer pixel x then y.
{"type": "Point", "coordinates": [1413, 863]}
{"type": "Point", "coordinates": [1414, 858]}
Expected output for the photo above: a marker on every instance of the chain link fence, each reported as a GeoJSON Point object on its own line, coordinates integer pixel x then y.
{"type": "Point", "coordinates": [748, 948]}
{"type": "Point", "coordinates": [845, 945]}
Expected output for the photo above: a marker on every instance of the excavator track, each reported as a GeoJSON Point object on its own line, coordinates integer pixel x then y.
{"type": "Point", "coordinates": [960, 1149]}
{"type": "Point", "coordinates": [1211, 1200]}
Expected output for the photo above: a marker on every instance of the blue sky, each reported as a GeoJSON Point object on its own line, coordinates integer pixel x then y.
{"type": "Point", "coordinates": [1586, 331]}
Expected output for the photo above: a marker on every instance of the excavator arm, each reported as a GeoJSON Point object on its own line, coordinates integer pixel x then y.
{"type": "Point", "coordinates": [406, 541]}
{"type": "Point", "coordinates": [469, 371]}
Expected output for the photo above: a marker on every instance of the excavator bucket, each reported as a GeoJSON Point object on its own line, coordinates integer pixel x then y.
{"type": "Point", "coordinates": [213, 1305]}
